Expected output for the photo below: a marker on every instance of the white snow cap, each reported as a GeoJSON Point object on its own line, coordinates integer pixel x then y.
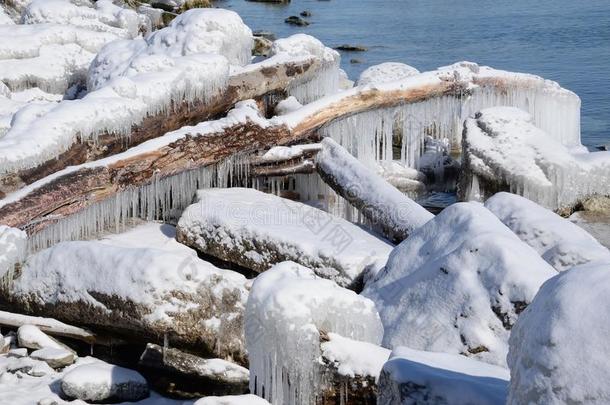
{"type": "Point", "coordinates": [559, 346]}
{"type": "Point", "coordinates": [457, 285]}
{"type": "Point", "coordinates": [287, 309]}
{"type": "Point", "coordinates": [385, 73]}
{"type": "Point", "coordinates": [197, 31]}
{"type": "Point", "coordinates": [560, 242]}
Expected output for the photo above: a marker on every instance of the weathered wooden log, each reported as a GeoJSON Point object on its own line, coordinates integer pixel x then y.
{"type": "Point", "coordinates": [47, 325]}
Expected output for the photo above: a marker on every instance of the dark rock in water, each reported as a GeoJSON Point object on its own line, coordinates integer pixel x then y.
{"type": "Point", "coordinates": [351, 48]}
{"type": "Point", "coordinates": [355, 61]}
{"type": "Point", "coordinates": [603, 147]}
{"type": "Point", "coordinates": [265, 34]}
{"type": "Point", "coordinates": [296, 20]}
{"type": "Point", "coordinates": [181, 374]}
{"type": "Point", "coordinates": [305, 13]}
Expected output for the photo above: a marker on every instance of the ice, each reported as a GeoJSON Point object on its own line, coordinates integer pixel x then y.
{"type": "Point", "coordinates": [385, 73]}
{"type": "Point", "coordinates": [504, 151]}
{"type": "Point", "coordinates": [323, 81]}
{"type": "Point", "coordinates": [288, 105]}
{"type": "Point", "coordinates": [457, 285]}
{"type": "Point", "coordinates": [428, 378]}
{"type": "Point", "coordinates": [560, 242]}
{"type": "Point", "coordinates": [287, 309]}
{"type": "Point", "coordinates": [353, 358]}
{"type": "Point", "coordinates": [232, 400]}
{"type": "Point", "coordinates": [559, 346]}
{"type": "Point", "coordinates": [12, 251]}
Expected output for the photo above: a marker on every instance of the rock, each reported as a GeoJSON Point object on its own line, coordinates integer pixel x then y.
{"type": "Point", "coordinates": [597, 224]}
{"type": "Point", "coordinates": [12, 250]}
{"type": "Point", "coordinates": [385, 73]}
{"type": "Point", "coordinates": [558, 347]}
{"type": "Point", "coordinates": [560, 242]}
{"type": "Point", "coordinates": [257, 230]}
{"type": "Point", "coordinates": [457, 285]}
{"type": "Point", "coordinates": [428, 378]}
{"type": "Point", "coordinates": [355, 61]}
{"type": "Point", "coordinates": [55, 358]}
{"type": "Point", "coordinates": [232, 399]}
{"type": "Point", "coordinates": [17, 353]}
{"type": "Point", "coordinates": [29, 336]}
{"type": "Point", "coordinates": [305, 13]}
{"type": "Point", "coordinates": [146, 286]}
{"type": "Point", "coordinates": [351, 48]}
{"type": "Point", "coordinates": [5, 344]}
{"type": "Point", "coordinates": [296, 20]}
{"type": "Point", "coordinates": [597, 204]}
{"type": "Point", "coordinates": [193, 374]}
{"type": "Point", "coordinates": [29, 366]}
{"type": "Point", "coordinates": [165, 5]}
{"type": "Point", "coordinates": [262, 46]}
{"type": "Point", "coordinates": [104, 382]}
{"type": "Point", "coordinates": [265, 34]}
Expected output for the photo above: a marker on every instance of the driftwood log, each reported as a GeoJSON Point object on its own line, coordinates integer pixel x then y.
{"type": "Point", "coordinates": [47, 325]}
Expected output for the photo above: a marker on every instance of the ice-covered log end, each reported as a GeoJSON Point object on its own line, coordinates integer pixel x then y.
{"type": "Point", "coordinates": [288, 308]}
{"type": "Point", "coordinates": [504, 149]}
{"type": "Point", "coordinates": [559, 346]}
{"type": "Point", "coordinates": [457, 285]}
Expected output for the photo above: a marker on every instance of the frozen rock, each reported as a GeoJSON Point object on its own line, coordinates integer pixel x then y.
{"type": "Point", "coordinates": [29, 336]}
{"type": "Point", "coordinates": [457, 285]}
{"type": "Point", "coordinates": [5, 344]}
{"type": "Point", "coordinates": [288, 105]}
{"type": "Point", "coordinates": [288, 309]}
{"type": "Point", "coordinates": [102, 382]}
{"type": "Point", "coordinates": [428, 378]}
{"type": "Point", "coordinates": [167, 289]}
{"type": "Point", "coordinates": [257, 230]}
{"type": "Point", "coordinates": [558, 347]}
{"type": "Point", "coordinates": [385, 73]}
{"type": "Point", "coordinates": [29, 366]}
{"type": "Point", "coordinates": [18, 353]}
{"type": "Point", "coordinates": [560, 242]}
{"type": "Point", "coordinates": [232, 400]}
{"type": "Point", "coordinates": [55, 358]}
{"type": "Point", "coordinates": [504, 150]}
{"type": "Point", "coordinates": [595, 223]}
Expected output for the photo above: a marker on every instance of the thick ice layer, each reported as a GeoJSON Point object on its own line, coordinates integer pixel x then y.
{"type": "Point", "coordinates": [560, 242]}
{"type": "Point", "coordinates": [287, 309]}
{"type": "Point", "coordinates": [457, 285]}
{"type": "Point", "coordinates": [396, 213]}
{"type": "Point", "coordinates": [386, 73]}
{"type": "Point", "coordinates": [258, 230]}
{"type": "Point", "coordinates": [504, 151]}
{"type": "Point", "coordinates": [559, 347]}
{"type": "Point", "coordinates": [103, 17]}
{"type": "Point", "coordinates": [322, 82]}
{"type": "Point", "coordinates": [428, 378]}
{"type": "Point", "coordinates": [353, 358]}
{"type": "Point", "coordinates": [197, 31]}
{"type": "Point", "coordinates": [12, 251]}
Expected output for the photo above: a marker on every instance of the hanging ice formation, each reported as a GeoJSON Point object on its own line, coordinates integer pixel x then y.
{"type": "Point", "coordinates": [288, 308]}
{"type": "Point", "coordinates": [12, 251]}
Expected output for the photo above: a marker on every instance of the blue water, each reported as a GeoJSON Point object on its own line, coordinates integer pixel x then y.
{"type": "Point", "coordinates": [564, 40]}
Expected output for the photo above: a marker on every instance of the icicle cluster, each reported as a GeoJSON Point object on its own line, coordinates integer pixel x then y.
{"type": "Point", "coordinates": [287, 309]}
{"type": "Point", "coordinates": [12, 251]}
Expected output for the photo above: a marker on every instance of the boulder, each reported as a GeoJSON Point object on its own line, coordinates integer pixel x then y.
{"type": "Point", "coordinates": [55, 358]}
{"type": "Point", "coordinates": [428, 378]}
{"type": "Point", "coordinates": [30, 337]}
{"type": "Point", "coordinates": [262, 46]}
{"type": "Point", "coordinates": [232, 399]}
{"type": "Point", "coordinates": [558, 347]}
{"type": "Point", "coordinates": [385, 73]}
{"type": "Point", "coordinates": [257, 230]}
{"type": "Point", "coordinates": [104, 382]}
{"type": "Point", "coordinates": [296, 20]}
{"type": "Point", "coordinates": [29, 366]}
{"type": "Point", "coordinates": [457, 285]}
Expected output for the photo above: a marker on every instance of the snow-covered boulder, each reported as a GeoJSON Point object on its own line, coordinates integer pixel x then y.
{"type": "Point", "coordinates": [287, 106]}
{"type": "Point", "coordinates": [29, 336]}
{"type": "Point", "coordinates": [195, 32]}
{"type": "Point", "coordinates": [100, 381]}
{"type": "Point", "coordinates": [558, 347]}
{"type": "Point", "coordinates": [257, 230]}
{"type": "Point", "coordinates": [167, 289]}
{"type": "Point", "coordinates": [55, 358]}
{"type": "Point", "coordinates": [232, 400]}
{"type": "Point", "coordinates": [560, 242]}
{"type": "Point", "coordinates": [288, 309]}
{"type": "Point", "coordinates": [457, 285]}
{"type": "Point", "coordinates": [504, 150]}
{"type": "Point", "coordinates": [428, 378]}
{"type": "Point", "coordinates": [385, 73]}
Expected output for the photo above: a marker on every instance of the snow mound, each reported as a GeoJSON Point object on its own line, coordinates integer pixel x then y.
{"type": "Point", "coordinates": [558, 347]}
{"type": "Point", "coordinates": [101, 381]}
{"type": "Point", "coordinates": [353, 358]}
{"type": "Point", "coordinates": [321, 82]}
{"type": "Point", "coordinates": [428, 378]}
{"type": "Point", "coordinates": [457, 285]}
{"type": "Point", "coordinates": [560, 242]}
{"type": "Point", "coordinates": [504, 151]}
{"type": "Point", "coordinates": [12, 250]}
{"type": "Point", "coordinates": [195, 32]}
{"type": "Point", "coordinates": [288, 105]}
{"type": "Point", "coordinates": [232, 400]}
{"type": "Point", "coordinates": [287, 309]}
{"type": "Point", "coordinates": [257, 230]}
{"type": "Point", "coordinates": [385, 73]}
{"type": "Point", "coordinates": [103, 17]}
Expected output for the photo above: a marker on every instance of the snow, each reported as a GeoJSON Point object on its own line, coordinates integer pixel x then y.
{"type": "Point", "coordinates": [287, 308]}
{"type": "Point", "coordinates": [288, 105]}
{"type": "Point", "coordinates": [385, 73]}
{"type": "Point", "coordinates": [560, 242]}
{"type": "Point", "coordinates": [12, 251]}
{"type": "Point", "coordinates": [232, 400]}
{"type": "Point", "coordinates": [418, 377]}
{"type": "Point", "coordinates": [457, 285]}
{"type": "Point", "coordinates": [503, 149]}
{"type": "Point", "coordinates": [261, 229]}
{"type": "Point", "coordinates": [394, 211]}
{"type": "Point", "coordinates": [33, 338]}
{"type": "Point", "coordinates": [354, 358]}
{"type": "Point", "coordinates": [558, 348]}
{"type": "Point", "coordinates": [55, 358]}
